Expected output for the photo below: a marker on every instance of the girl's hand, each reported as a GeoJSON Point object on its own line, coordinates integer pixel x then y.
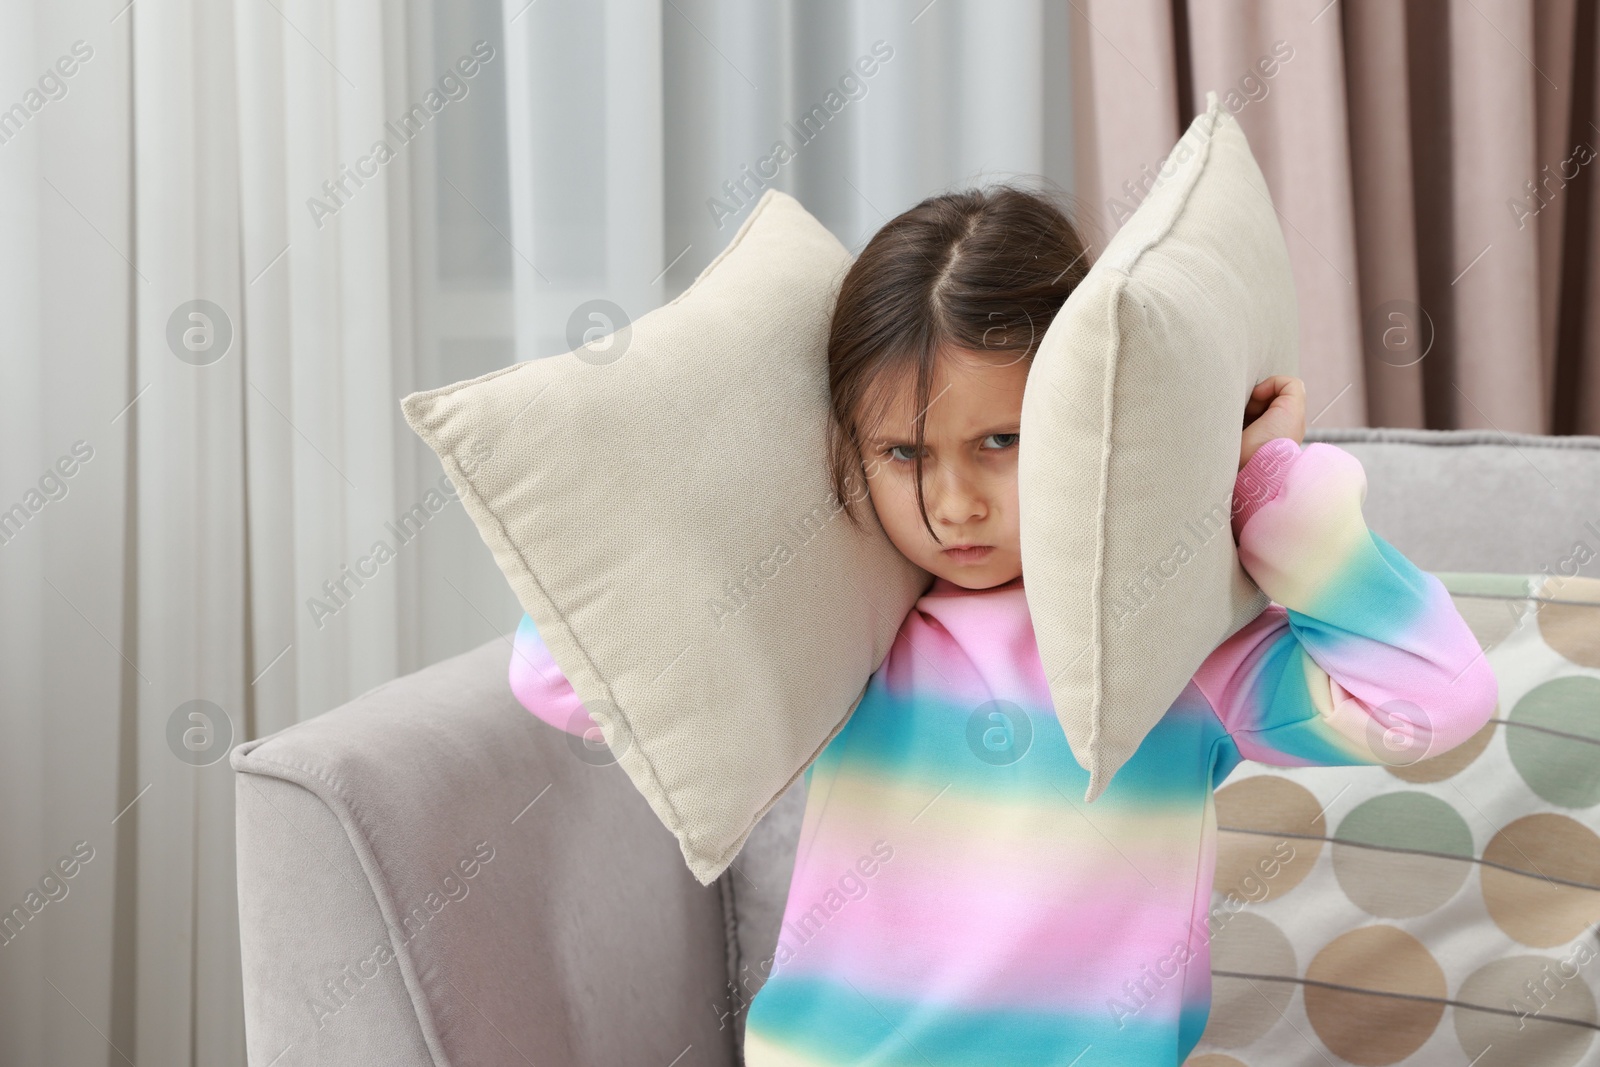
{"type": "Point", "coordinates": [1276, 408]}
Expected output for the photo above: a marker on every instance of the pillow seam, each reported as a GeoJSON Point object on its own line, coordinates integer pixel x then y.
{"type": "Point", "coordinates": [428, 396]}
{"type": "Point", "coordinates": [1192, 179]}
{"type": "Point", "coordinates": [767, 198]}
{"type": "Point", "coordinates": [1097, 600]}
{"type": "Point", "coordinates": [610, 695]}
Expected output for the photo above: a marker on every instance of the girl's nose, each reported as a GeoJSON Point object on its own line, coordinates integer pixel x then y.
{"type": "Point", "coordinates": [952, 498]}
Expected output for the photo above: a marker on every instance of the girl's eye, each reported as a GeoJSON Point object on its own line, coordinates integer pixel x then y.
{"type": "Point", "coordinates": [1005, 441]}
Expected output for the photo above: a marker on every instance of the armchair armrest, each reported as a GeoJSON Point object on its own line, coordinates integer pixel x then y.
{"type": "Point", "coordinates": [429, 875]}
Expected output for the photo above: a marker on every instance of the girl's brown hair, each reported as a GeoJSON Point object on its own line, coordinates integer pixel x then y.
{"type": "Point", "coordinates": [984, 270]}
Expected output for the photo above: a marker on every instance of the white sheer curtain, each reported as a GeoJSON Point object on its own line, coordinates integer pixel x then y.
{"type": "Point", "coordinates": [228, 473]}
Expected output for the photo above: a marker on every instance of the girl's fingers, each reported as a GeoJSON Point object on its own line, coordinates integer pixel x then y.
{"type": "Point", "coordinates": [1281, 391]}
{"type": "Point", "coordinates": [1261, 398]}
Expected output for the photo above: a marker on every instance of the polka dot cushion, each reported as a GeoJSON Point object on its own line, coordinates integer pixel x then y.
{"type": "Point", "coordinates": [1439, 913]}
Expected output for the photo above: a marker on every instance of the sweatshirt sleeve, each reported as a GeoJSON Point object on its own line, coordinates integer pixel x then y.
{"type": "Point", "coordinates": [1361, 657]}
{"type": "Point", "coordinates": [539, 685]}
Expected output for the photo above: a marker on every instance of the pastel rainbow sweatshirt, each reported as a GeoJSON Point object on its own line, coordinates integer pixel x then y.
{"type": "Point", "coordinates": [955, 903]}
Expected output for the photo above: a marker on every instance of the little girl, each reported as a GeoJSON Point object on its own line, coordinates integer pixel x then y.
{"type": "Point", "coordinates": [954, 903]}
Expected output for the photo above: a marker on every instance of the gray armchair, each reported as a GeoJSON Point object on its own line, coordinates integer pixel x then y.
{"type": "Point", "coordinates": [428, 875]}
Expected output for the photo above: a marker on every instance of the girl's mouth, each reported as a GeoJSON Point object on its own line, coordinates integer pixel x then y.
{"type": "Point", "coordinates": [972, 554]}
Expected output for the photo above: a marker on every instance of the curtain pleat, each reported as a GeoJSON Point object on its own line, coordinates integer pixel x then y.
{"type": "Point", "coordinates": [1393, 330]}
{"type": "Point", "coordinates": [1575, 379]}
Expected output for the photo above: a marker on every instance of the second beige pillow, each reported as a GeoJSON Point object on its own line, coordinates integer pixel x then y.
{"type": "Point", "coordinates": [1130, 441]}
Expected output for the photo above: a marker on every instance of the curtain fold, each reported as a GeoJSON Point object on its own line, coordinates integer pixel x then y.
{"type": "Point", "coordinates": [1379, 103]}
{"type": "Point", "coordinates": [69, 685]}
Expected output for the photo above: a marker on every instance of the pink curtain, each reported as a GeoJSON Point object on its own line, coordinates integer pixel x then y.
{"type": "Point", "coordinates": [1432, 166]}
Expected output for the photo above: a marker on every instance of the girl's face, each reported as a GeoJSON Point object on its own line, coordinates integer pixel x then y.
{"type": "Point", "coordinates": [969, 469]}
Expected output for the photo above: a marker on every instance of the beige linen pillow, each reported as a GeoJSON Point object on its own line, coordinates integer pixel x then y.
{"type": "Point", "coordinates": [1130, 441]}
{"type": "Point", "coordinates": [665, 518]}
